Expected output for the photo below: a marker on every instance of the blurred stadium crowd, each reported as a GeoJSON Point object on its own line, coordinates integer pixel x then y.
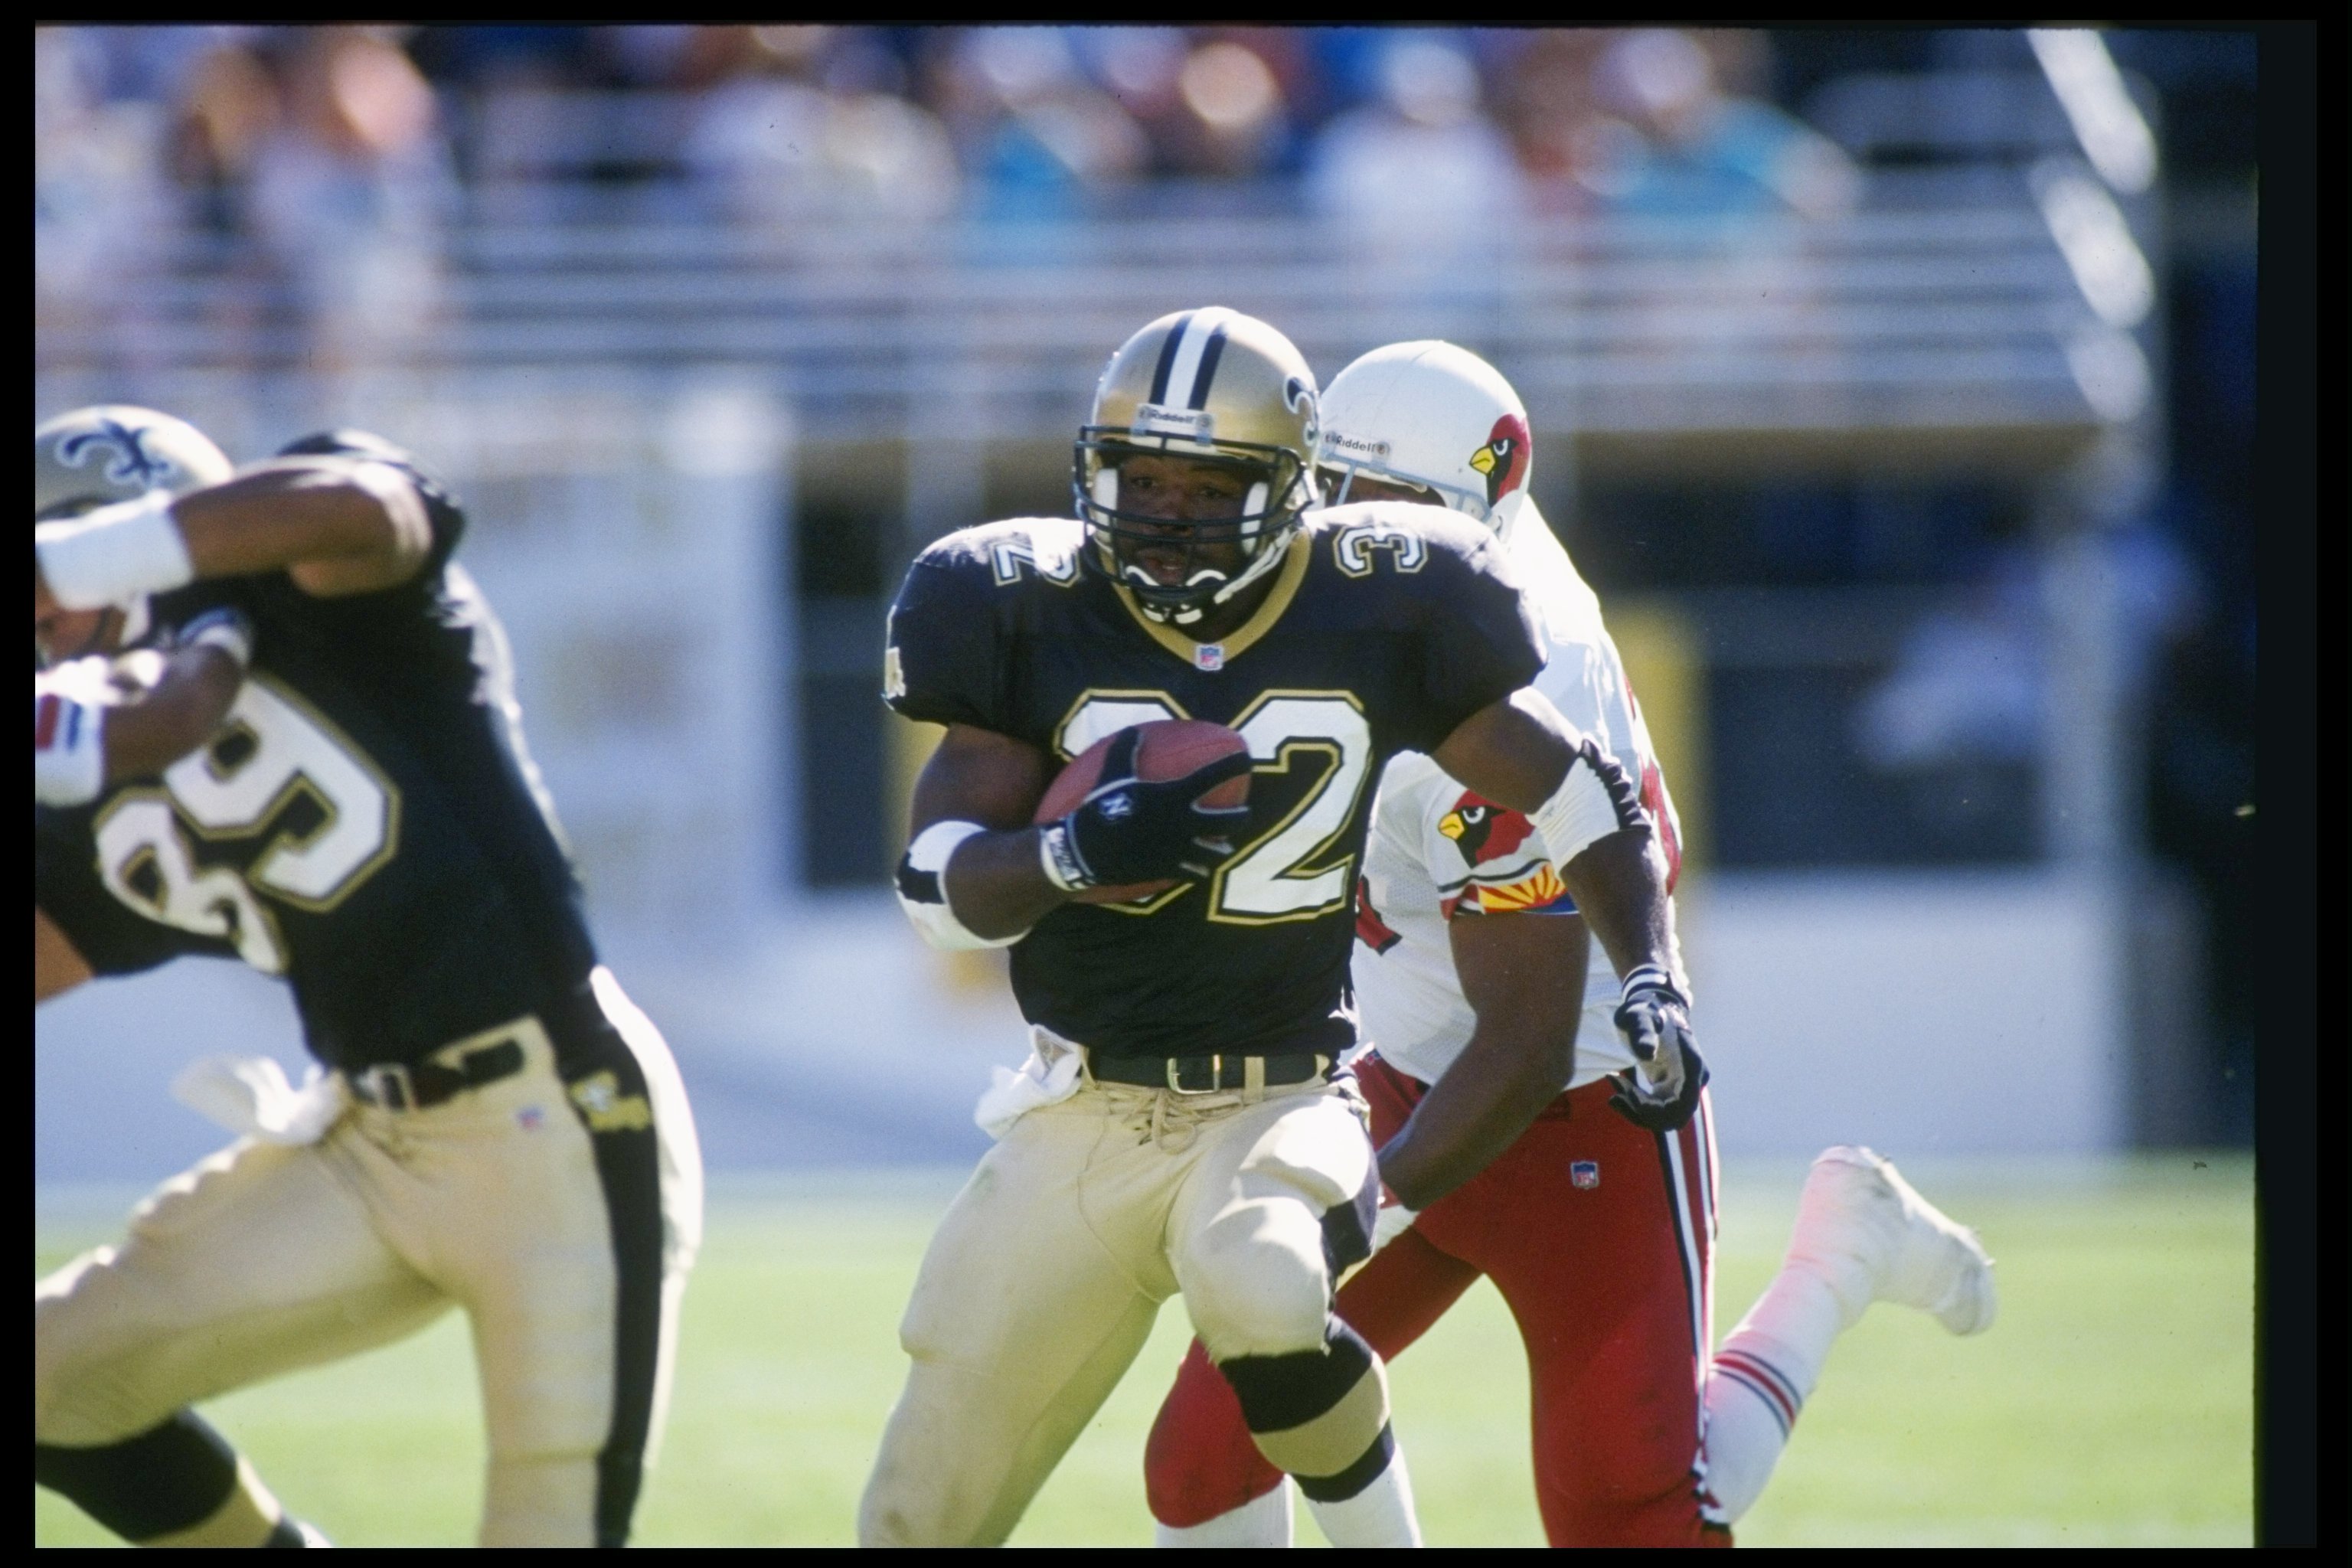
{"type": "Point", "coordinates": [338, 169]}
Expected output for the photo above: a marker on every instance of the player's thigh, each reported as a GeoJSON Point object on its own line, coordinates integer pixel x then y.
{"type": "Point", "coordinates": [260, 1259]}
{"type": "Point", "coordinates": [1597, 1233]}
{"type": "Point", "coordinates": [1029, 1253]}
{"type": "Point", "coordinates": [1023, 1319]}
{"type": "Point", "coordinates": [1279, 1191]}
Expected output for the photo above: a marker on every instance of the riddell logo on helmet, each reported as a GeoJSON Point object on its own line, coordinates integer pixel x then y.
{"type": "Point", "coordinates": [1155, 420]}
{"type": "Point", "coordinates": [1355, 447]}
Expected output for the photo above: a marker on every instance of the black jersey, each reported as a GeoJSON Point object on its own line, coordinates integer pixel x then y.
{"type": "Point", "coordinates": [366, 822]}
{"type": "Point", "coordinates": [1386, 627]}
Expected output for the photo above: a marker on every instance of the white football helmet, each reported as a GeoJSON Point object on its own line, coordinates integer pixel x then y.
{"type": "Point", "coordinates": [1429, 415]}
{"type": "Point", "coordinates": [117, 452]}
{"type": "Point", "coordinates": [114, 452]}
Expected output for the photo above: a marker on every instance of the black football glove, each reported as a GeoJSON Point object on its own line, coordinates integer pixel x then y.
{"type": "Point", "coordinates": [1661, 1093]}
{"type": "Point", "coordinates": [1136, 830]}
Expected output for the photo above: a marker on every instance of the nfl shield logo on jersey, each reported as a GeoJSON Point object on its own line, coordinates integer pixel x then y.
{"type": "Point", "coordinates": [1210, 656]}
{"type": "Point", "coordinates": [1585, 1174]}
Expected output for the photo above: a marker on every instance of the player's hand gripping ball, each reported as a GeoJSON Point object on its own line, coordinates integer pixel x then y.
{"type": "Point", "coordinates": [1661, 1093]}
{"type": "Point", "coordinates": [1140, 809]}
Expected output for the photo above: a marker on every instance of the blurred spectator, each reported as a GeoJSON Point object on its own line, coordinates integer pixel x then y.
{"type": "Point", "coordinates": [1050, 136]}
{"type": "Point", "coordinates": [1424, 153]}
{"type": "Point", "coordinates": [228, 109]}
{"type": "Point", "coordinates": [1233, 119]}
{"type": "Point", "coordinates": [101, 210]}
{"type": "Point", "coordinates": [1548, 105]}
{"type": "Point", "coordinates": [1670, 140]}
{"type": "Point", "coordinates": [351, 191]}
{"type": "Point", "coordinates": [790, 128]}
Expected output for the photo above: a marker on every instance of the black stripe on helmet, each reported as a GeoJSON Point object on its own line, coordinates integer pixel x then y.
{"type": "Point", "coordinates": [1208, 370]}
{"type": "Point", "coordinates": [1168, 358]}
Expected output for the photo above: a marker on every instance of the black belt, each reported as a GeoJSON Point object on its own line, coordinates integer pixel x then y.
{"type": "Point", "coordinates": [1207, 1074]}
{"type": "Point", "coordinates": [395, 1086]}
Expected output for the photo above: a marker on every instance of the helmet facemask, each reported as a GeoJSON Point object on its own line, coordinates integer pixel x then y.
{"type": "Point", "coordinates": [1279, 486]}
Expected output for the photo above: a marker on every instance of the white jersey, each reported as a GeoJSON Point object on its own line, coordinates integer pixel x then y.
{"type": "Point", "coordinates": [1439, 852]}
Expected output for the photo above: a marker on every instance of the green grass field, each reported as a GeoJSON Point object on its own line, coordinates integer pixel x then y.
{"type": "Point", "coordinates": [2110, 1405]}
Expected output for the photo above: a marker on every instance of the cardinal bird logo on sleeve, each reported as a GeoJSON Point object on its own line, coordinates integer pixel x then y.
{"type": "Point", "coordinates": [1483, 830]}
{"type": "Point", "coordinates": [1497, 838]}
{"type": "Point", "coordinates": [1504, 459]}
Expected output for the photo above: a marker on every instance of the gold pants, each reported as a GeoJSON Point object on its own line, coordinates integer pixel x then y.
{"type": "Point", "coordinates": [1042, 1281]}
{"type": "Point", "coordinates": [511, 1201]}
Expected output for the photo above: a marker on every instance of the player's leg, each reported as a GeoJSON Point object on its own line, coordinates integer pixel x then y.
{"type": "Point", "coordinates": [1599, 1237]}
{"type": "Point", "coordinates": [1862, 1235]}
{"type": "Point", "coordinates": [1037, 1291]}
{"type": "Point", "coordinates": [561, 1206]}
{"type": "Point", "coordinates": [1205, 1480]}
{"type": "Point", "coordinates": [1279, 1201]}
{"type": "Point", "coordinates": [258, 1261]}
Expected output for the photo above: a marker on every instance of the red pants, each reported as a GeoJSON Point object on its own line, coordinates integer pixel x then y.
{"type": "Point", "coordinates": [1600, 1237]}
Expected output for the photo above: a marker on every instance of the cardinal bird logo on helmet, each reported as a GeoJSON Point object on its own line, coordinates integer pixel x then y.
{"type": "Point", "coordinates": [1504, 459]}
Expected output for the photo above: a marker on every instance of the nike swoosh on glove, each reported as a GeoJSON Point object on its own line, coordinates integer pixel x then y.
{"type": "Point", "coordinates": [1661, 1092]}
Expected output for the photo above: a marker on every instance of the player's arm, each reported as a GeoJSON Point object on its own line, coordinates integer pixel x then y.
{"type": "Point", "coordinates": [96, 722]}
{"type": "Point", "coordinates": [336, 525]}
{"type": "Point", "coordinates": [971, 845]}
{"type": "Point", "coordinates": [57, 967]}
{"type": "Point", "coordinates": [185, 705]}
{"type": "Point", "coordinates": [977, 875]}
{"type": "Point", "coordinates": [1523, 975]}
{"type": "Point", "coordinates": [1520, 753]}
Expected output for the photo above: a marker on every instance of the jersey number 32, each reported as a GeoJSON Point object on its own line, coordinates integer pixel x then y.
{"type": "Point", "coordinates": [1278, 875]}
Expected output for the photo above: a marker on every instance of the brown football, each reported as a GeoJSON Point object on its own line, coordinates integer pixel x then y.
{"type": "Point", "coordinates": [1166, 749]}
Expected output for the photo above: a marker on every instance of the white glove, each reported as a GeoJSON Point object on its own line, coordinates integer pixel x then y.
{"type": "Point", "coordinates": [250, 1096]}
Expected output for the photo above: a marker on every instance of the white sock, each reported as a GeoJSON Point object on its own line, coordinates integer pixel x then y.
{"type": "Point", "coordinates": [1380, 1515]}
{"type": "Point", "coordinates": [1261, 1521]}
{"type": "Point", "coordinates": [1768, 1366]}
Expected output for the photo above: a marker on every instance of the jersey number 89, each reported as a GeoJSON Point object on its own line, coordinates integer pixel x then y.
{"type": "Point", "coordinates": [271, 751]}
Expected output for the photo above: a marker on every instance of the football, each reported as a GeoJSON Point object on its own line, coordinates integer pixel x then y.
{"type": "Point", "coordinates": [1166, 749]}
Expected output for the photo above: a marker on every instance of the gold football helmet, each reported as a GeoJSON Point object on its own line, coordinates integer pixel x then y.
{"type": "Point", "coordinates": [1213, 385]}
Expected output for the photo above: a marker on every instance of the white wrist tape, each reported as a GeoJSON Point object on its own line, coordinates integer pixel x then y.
{"type": "Point", "coordinates": [1594, 800]}
{"type": "Point", "coordinates": [1060, 859]}
{"type": "Point", "coordinates": [68, 748]}
{"type": "Point", "coordinates": [114, 555]}
{"type": "Point", "coordinates": [923, 889]}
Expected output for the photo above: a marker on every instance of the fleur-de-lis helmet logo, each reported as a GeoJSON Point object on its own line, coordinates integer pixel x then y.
{"type": "Point", "coordinates": [131, 463]}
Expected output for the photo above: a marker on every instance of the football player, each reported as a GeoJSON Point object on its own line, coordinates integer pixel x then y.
{"type": "Point", "coordinates": [1589, 1200]}
{"type": "Point", "coordinates": [501, 1129]}
{"type": "Point", "coordinates": [1182, 1125]}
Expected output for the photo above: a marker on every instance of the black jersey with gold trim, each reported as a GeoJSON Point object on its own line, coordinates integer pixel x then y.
{"type": "Point", "coordinates": [1386, 627]}
{"type": "Point", "coordinates": [366, 823]}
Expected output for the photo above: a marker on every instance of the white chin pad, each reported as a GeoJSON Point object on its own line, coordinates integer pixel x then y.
{"type": "Point", "coordinates": [1106, 488]}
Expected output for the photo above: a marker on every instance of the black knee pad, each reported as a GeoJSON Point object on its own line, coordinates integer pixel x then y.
{"type": "Point", "coordinates": [1279, 1392]}
{"type": "Point", "coordinates": [167, 1478]}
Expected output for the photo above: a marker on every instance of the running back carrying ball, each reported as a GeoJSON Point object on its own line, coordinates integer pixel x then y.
{"type": "Point", "coordinates": [1155, 752]}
